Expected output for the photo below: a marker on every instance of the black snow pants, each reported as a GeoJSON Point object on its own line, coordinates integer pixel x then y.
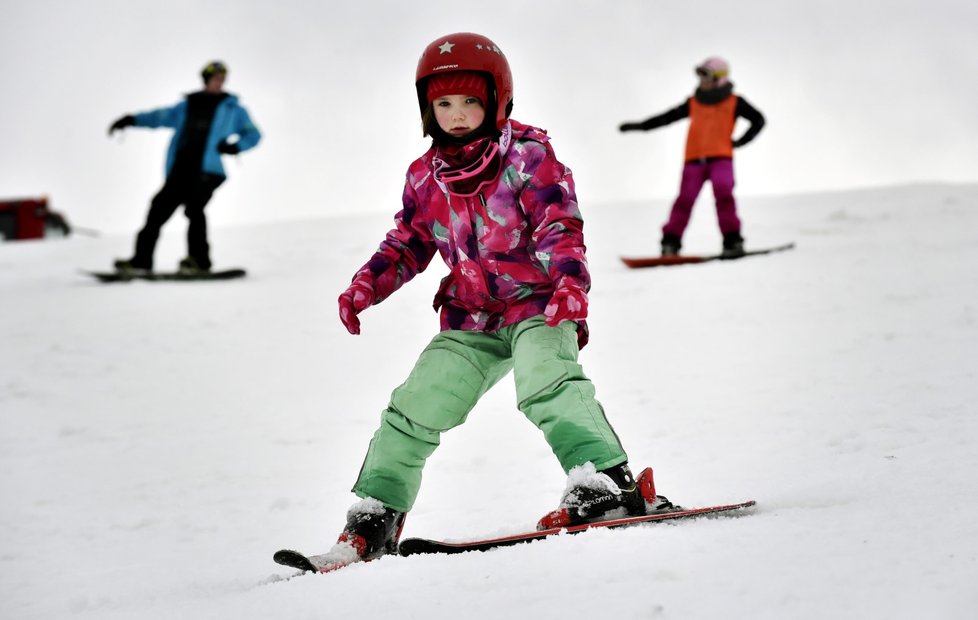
{"type": "Point", "coordinates": [193, 191]}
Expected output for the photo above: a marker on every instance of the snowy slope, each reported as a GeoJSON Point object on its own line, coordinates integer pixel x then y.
{"type": "Point", "coordinates": [160, 441]}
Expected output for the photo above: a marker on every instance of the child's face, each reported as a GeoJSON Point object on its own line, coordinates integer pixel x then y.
{"type": "Point", "coordinates": [458, 115]}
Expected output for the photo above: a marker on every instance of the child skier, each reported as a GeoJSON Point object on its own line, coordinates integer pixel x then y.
{"type": "Point", "coordinates": [492, 199]}
{"type": "Point", "coordinates": [712, 111]}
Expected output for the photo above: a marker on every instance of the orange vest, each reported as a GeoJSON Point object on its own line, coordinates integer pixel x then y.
{"type": "Point", "coordinates": [711, 129]}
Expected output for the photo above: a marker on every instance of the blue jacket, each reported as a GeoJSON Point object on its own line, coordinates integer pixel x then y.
{"type": "Point", "coordinates": [230, 118]}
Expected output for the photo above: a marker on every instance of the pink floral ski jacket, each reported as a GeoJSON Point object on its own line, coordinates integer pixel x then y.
{"type": "Point", "coordinates": [508, 248]}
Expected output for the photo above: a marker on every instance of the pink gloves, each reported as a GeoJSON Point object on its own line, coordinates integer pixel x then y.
{"type": "Point", "coordinates": [353, 301]}
{"type": "Point", "coordinates": [567, 304]}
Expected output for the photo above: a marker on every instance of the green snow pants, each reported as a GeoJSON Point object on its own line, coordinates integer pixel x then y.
{"type": "Point", "coordinates": [450, 376]}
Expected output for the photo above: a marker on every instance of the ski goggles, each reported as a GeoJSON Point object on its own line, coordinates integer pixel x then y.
{"type": "Point", "coordinates": [470, 179]}
{"type": "Point", "coordinates": [705, 73]}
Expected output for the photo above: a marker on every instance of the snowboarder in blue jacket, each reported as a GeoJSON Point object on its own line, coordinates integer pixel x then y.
{"type": "Point", "coordinates": [207, 124]}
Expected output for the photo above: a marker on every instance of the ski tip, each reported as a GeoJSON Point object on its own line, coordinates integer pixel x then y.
{"type": "Point", "coordinates": [293, 559]}
{"type": "Point", "coordinates": [750, 503]}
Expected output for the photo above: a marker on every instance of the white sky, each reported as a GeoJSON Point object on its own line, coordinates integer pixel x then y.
{"type": "Point", "coordinates": [857, 93]}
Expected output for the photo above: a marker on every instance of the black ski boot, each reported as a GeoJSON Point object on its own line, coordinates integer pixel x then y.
{"type": "Point", "coordinates": [671, 244]}
{"type": "Point", "coordinates": [611, 493]}
{"type": "Point", "coordinates": [372, 529]}
{"type": "Point", "coordinates": [733, 245]}
{"type": "Point", "coordinates": [127, 267]}
{"type": "Point", "coordinates": [190, 267]}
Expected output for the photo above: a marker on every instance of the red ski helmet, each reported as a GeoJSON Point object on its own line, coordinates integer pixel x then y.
{"type": "Point", "coordinates": [467, 51]}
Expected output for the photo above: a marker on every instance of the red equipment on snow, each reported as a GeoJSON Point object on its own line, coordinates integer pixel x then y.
{"type": "Point", "coordinates": [30, 218]}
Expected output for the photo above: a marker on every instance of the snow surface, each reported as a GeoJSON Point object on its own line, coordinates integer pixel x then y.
{"type": "Point", "coordinates": [160, 441]}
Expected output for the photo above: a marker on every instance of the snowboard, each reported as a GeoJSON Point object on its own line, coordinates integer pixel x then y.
{"type": "Point", "coordinates": [636, 262]}
{"type": "Point", "coordinates": [167, 276]}
{"type": "Point", "coordinates": [414, 546]}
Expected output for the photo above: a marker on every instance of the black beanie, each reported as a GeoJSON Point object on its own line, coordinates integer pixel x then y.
{"type": "Point", "coordinates": [212, 68]}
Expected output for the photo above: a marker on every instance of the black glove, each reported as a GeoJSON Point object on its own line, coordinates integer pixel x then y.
{"type": "Point", "coordinates": [126, 121]}
{"type": "Point", "coordinates": [629, 127]}
{"type": "Point", "coordinates": [228, 148]}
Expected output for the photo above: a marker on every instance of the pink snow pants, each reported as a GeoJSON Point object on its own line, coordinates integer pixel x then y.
{"type": "Point", "coordinates": [720, 174]}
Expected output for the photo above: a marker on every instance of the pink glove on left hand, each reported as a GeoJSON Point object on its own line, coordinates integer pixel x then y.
{"type": "Point", "coordinates": [567, 304]}
{"type": "Point", "coordinates": [353, 301]}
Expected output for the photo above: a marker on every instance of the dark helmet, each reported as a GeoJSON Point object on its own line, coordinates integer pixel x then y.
{"type": "Point", "coordinates": [213, 68]}
{"type": "Point", "coordinates": [466, 51]}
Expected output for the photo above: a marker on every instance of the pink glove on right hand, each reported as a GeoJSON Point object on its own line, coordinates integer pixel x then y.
{"type": "Point", "coordinates": [353, 301]}
{"type": "Point", "coordinates": [567, 304]}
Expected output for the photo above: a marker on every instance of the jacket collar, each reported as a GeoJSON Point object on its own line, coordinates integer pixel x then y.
{"type": "Point", "coordinates": [714, 95]}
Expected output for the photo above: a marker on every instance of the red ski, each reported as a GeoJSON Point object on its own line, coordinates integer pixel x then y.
{"type": "Point", "coordinates": [413, 546]}
{"type": "Point", "coordinates": [668, 261]}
